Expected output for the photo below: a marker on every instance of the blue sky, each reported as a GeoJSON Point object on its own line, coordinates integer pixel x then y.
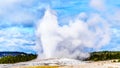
{"type": "Point", "coordinates": [18, 19]}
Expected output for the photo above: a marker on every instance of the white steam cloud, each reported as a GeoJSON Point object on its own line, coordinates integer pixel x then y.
{"type": "Point", "coordinates": [70, 41]}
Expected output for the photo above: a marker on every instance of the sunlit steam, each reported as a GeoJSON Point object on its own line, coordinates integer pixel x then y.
{"type": "Point", "coordinates": [70, 41]}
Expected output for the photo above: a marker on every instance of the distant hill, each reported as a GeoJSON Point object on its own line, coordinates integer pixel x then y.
{"type": "Point", "coordinates": [3, 54]}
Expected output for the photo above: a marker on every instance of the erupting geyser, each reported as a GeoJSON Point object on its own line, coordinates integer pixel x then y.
{"type": "Point", "coordinates": [47, 28]}
{"type": "Point", "coordinates": [70, 41]}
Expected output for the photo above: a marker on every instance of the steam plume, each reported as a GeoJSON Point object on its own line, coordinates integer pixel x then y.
{"type": "Point", "coordinates": [71, 40]}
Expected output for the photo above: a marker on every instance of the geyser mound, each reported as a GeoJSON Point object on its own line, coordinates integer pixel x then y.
{"type": "Point", "coordinates": [59, 61]}
{"type": "Point", "coordinates": [71, 40]}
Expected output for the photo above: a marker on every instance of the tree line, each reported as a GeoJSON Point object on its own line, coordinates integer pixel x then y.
{"type": "Point", "coordinates": [17, 58]}
{"type": "Point", "coordinates": [104, 55]}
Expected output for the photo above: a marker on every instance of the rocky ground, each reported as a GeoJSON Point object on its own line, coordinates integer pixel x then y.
{"type": "Point", "coordinates": [63, 63]}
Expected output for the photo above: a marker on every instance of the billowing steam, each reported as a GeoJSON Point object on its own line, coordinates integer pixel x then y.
{"type": "Point", "coordinates": [71, 40]}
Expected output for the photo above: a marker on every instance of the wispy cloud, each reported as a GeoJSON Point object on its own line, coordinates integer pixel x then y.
{"type": "Point", "coordinates": [16, 39]}
{"type": "Point", "coordinates": [17, 12]}
{"type": "Point", "coordinates": [17, 24]}
{"type": "Point", "coordinates": [98, 4]}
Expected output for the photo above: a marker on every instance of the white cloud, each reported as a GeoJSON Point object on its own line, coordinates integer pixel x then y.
{"type": "Point", "coordinates": [13, 14]}
{"type": "Point", "coordinates": [17, 11]}
{"type": "Point", "coordinates": [98, 4]}
{"type": "Point", "coordinates": [15, 38]}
